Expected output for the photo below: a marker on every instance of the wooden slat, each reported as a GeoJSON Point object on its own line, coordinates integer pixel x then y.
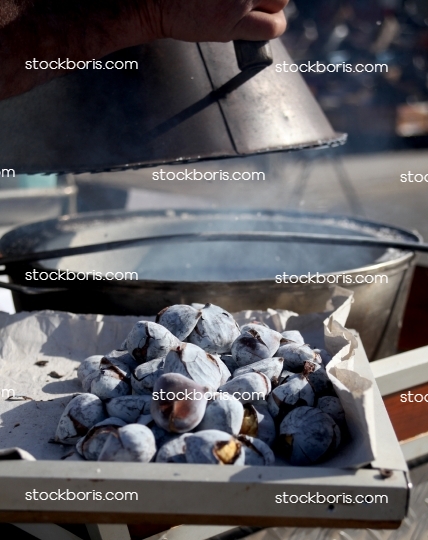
{"type": "Point", "coordinates": [401, 372]}
{"type": "Point", "coordinates": [408, 419]}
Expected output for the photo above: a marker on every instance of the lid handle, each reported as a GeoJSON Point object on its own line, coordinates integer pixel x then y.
{"type": "Point", "coordinates": [253, 55]}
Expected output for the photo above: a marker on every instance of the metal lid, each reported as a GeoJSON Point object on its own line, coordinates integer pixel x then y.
{"type": "Point", "coordinates": [163, 112]}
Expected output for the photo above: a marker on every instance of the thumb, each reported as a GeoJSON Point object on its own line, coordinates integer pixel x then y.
{"type": "Point", "coordinates": [260, 26]}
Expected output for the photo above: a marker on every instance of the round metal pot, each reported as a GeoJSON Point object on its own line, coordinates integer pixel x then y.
{"type": "Point", "coordinates": [235, 275]}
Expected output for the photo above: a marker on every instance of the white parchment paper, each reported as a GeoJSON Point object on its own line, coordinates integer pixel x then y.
{"type": "Point", "coordinates": [63, 340]}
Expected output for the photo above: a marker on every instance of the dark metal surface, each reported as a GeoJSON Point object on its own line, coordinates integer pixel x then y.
{"type": "Point", "coordinates": [164, 112]}
{"type": "Point", "coordinates": [274, 111]}
{"type": "Point", "coordinates": [234, 275]}
{"type": "Point", "coordinates": [242, 236]}
{"type": "Point", "coordinates": [252, 57]}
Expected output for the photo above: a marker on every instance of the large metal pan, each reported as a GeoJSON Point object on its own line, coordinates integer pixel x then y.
{"type": "Point", "coordinates": [235, 275]}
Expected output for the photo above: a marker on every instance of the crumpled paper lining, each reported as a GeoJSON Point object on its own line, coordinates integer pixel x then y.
{"type": "Point", "coordinates": [327, 331]}
{"type": "Point", "coordinates": [65, 339]}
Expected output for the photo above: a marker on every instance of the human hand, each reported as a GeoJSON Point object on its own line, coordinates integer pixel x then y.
{"type": "Point", "coordinates": [89, 29]}
{"type": "Point", "coordinates": [213, 20]}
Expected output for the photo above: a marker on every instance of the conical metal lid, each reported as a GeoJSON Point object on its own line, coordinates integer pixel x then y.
{"type": "Point", "coordinates": [164, 112]}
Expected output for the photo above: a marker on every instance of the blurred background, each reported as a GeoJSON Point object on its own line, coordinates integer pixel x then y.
{"type": "Point", "coordinates": [374, 108]}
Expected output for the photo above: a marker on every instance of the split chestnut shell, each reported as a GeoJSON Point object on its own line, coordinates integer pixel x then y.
{"type": "Point", "coordinates": [128, 408]}
{"type": "Point", "coordinates": [81, 413]}
{"type": "Point", "coordinates": [255, 344]}
{"type": "Point", "coordinates": [293, 335]}
{"type": "Point", "coordinates": [258, 422]}
{"type": "Point", "coordinates": [256, 451]}
{"type": "Point", "coordinates": [196, 364]}
{"type": "Point", "coordinates": [215, 331]}
{"type": "Point", "coordinates": [88, 366]}
{"type": "Point", "coordinates": [92, 443]}
{"type": "Point", "coordinates": [173, 451]}
{"type": "Point", "coordinates": [332, 406]}
{"type": "Point", "coordinates": [111, 383]}
{"type": "Point", "coordinates": [179, 319]}
{"type": "Point", "coordinates": [148, 340]}
{"type": "Point", "coordinates": [133, 442]}
{"type": "Point", "coordinates": [308, 436]}
{"type": "Point", "coordinates": [271, 338]}
{"type": "Point", "coordinates": [248, 387]}
{"type": "Point", "coordinates": [271, 367]}
{"type": "Point", "coordinates": [214, 447]}
{"type": "Point", "coordinates": [296, 355]}
{"type": "Point", "coordinates": [223, 415]}
{"type": "Point", "coordinates": [145, 376]}
{"type": "Point", "coordinates": [178, 403]}
{"type": "Point", "coordinates": [296, 391]}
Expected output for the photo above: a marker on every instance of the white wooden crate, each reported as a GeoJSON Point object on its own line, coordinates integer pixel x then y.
{"type": "Point", "coordinates": [214, 495]}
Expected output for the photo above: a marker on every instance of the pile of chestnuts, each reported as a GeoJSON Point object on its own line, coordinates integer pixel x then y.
{"type": "Point", "coordinates": [194, 387]}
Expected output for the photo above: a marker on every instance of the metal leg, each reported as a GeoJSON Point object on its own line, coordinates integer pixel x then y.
{"type": "Point", "coordinates": [348, 189]}
{"type": "Point", "coordinates": [351, 196]}
{"type": "Point", "coordinates": [48, 531]}
{"type": "Point", "coordinates": [296, 198]}
{"type": "Point", "coordinates": [108, 532]}
{"type": "Point", "coordinates": [72, 204]}
{"type": "Point", "coordinates": [68, 182]}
